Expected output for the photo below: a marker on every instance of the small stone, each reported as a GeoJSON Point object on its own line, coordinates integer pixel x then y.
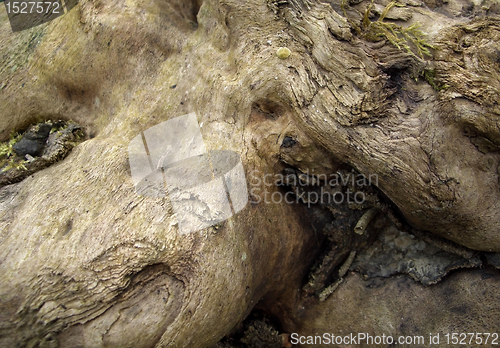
{"type": "Point", "coordinates": [38, 132]}
{"type": "Point", "coordinates": [28, 147]}
{"type": "Point", "coordinates": [33, 141]}
{"type": "Point", "coordinates": [283, 53]}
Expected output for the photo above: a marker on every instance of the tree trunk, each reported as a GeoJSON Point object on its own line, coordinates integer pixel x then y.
{"type": "Point", "coordinates": [87, 262]}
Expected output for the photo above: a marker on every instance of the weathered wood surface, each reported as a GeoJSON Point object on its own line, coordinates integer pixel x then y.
{"type": "Point", "coordinates": [85, 262]}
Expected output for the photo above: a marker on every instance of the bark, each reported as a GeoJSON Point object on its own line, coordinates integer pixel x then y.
{"type": "Point", "coordinates": [86, 262]}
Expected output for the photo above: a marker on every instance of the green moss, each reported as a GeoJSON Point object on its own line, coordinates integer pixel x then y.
{"type": "Point", "coordinates": [430, 76]}
{"type": "Point", "coordinates": [7, 150]}
{"type": "Point", "coordinates": [412, 39]}
{"type": "Point", "coordinates": [15, 164]}
{"type": "Point", "coordinates": [16, 56]}
{"type": "Point", "coordinates": [344, 5]}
